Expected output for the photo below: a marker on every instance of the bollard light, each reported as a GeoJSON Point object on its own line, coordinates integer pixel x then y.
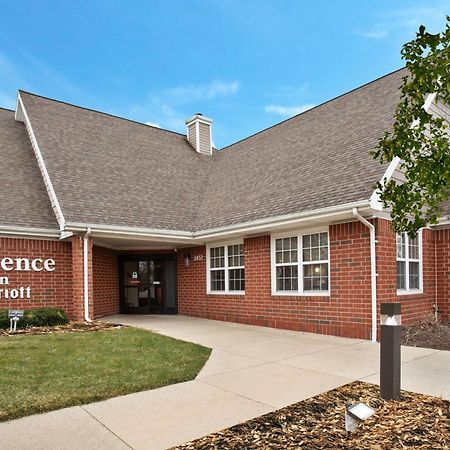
{"type": "Point", "coordinates": [390, 343]}
{"type": "Point", "coordinates": [355, 414]}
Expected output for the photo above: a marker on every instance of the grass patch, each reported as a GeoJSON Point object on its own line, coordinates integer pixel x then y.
{"type": "Point", "coordinates": [52, 371]}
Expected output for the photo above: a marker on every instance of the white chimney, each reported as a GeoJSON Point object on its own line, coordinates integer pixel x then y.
{"type": "Point", "coordinates": [199, 133]}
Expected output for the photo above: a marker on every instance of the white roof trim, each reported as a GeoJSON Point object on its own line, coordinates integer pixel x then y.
{"type": "Point", "coordinates": [22, 113]}
{"type": "Point", "coordinates": [23, 232]}
{"type": "Point", "coordinates": [291, 220]}
{"type": "Point", "coordinates": [190, 237]}
{"type": "Point", "coordinates": [429, 101]}
{"type": "Point", "coordinates": [375, 202]}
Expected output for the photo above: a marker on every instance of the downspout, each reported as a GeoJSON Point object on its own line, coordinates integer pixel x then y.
{"type": "Point", "coordinates": [86, 274]}
{"type": "Point", "coordinates": [373, 271]}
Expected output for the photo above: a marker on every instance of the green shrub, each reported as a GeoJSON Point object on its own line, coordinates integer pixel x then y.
{"type": "Point", "coordinates": [36, 317]}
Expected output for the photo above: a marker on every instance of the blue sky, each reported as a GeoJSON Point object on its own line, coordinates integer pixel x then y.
{"type": "Point", "coordinates": [246, 64]}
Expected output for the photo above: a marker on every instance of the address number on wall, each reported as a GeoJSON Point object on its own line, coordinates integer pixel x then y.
{"type": "Point", "coordinates": [199, 257]}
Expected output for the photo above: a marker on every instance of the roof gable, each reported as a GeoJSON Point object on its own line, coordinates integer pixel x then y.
{"type": "Point", "coordinates": [107, 170]}
{"type": "Point", "coordinates": [111, 171]}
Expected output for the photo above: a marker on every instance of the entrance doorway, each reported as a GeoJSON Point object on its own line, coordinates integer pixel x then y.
{"type": "Point", "coordinates": [148, 285]}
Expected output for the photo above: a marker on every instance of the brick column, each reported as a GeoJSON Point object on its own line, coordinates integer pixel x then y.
{"type": "Point", "coordinates": [386, 262]}
{"type": "Point", "coordinates": [78, 277]}
{"type": "Point", "coordinates": [443, 273]}
{"type": "Point", "coordinates": [257, 269]}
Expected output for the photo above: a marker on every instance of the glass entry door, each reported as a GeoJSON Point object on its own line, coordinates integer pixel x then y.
{"type": "Point", "coordinates": [142, 285]}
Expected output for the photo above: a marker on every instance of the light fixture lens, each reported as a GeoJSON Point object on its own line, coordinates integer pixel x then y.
{"type": "Point", "coordinates": [361, 411]}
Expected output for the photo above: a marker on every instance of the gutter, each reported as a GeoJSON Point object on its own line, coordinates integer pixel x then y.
{"type": "Point", "coordinates": [86, 274]}
{"type": "Point", "coordinates": [28, 232]}
{"type": "Point", "coordinates": [200, 236]}
{"type": "Point", "coordinates": [373, 271]}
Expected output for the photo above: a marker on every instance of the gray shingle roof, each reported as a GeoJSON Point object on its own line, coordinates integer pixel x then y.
{"type": "Point", "coordinates": [24, 200]}
{"type": "Point", "coordinates": [317, 159]}
{"type": "Point", "coordinates": [108, 170]}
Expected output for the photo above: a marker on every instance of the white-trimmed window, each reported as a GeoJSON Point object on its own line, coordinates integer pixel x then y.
{"type": "Point", "coordinates": [226, 269]}
{"type": "Point", "coordinates": [300, 264]}
{"type": "Point", "coordinates": [409, 263]}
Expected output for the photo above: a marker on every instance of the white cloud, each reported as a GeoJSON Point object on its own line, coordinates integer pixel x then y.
{"type": "Point", "coordinates": [170, 107]}
{"type": "Point", "coordinates": [374, 33]}
{"type": "Point", "coordinates": [288, 111]}
{"type": "Point", "coordinates": [192, 92]}
{"type": "Point", "coordinates": [152, 124]}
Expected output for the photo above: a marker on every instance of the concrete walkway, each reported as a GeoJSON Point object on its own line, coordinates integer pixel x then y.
{"type": "Point", "coordinates": [251, 371]}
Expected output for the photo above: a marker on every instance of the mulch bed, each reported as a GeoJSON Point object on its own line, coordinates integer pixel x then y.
{"type": "Point", "coordinates": [416, 421]}
{"type": "Point", "coordinates": [429, 334]}
{"type": "Point", "coordinates": [72, 327]}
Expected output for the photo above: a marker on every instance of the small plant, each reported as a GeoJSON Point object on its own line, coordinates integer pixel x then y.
{"type": "Point", "coordinates": [36, 317]}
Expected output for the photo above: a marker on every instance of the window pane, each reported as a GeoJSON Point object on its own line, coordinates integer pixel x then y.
{"type": "Point", "coordinates": [315, 254]}
{"type": "Point", "coordinates": [401, 275]}
{"type": "Point", "coordinates": [217, 280]}
{"type": "Point", "coordinates": [236, 280]}
{"type": "Point", "coordinates": [315, 277]}
{"type": "Point", "coordinates": [287, 278]}
{"type": "Point", "coordinates": [401, 245]}
{"type": "Point", "coordinates": [414, 248]}
{"type": "Point", "coordinates": [236, 255]}
{"type": "Point", "coordinates": [315, 247]}
{"type": "Point", "coordinates": [414, 275]}
{"type": "Point", "coordinates": [217, 257]}
{"type": "Point", "coordinates": [286, 250]}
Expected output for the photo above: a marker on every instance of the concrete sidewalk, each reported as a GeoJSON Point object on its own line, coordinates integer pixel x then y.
{"type": "Point", "coordinates": [251, 371]}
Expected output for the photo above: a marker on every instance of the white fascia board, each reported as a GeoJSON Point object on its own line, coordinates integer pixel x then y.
{"type": "Point", "coordinates": [442, 222]}
{"type": "Point", "coordinates": [18, 115]}
{"type": "Point", "coordinates": [275, 223]}
{"type": "Point", "coordinates": [271, 224]}
{"type": "Point", "coordinates": [429, 101]}
{"type": "Point", "coordinates": [28, 232]}
{"type": "Point", "coordinates": [375, 202]}
{"type": "Point", "coordinates": [41, 163]}
{"type": "Point", "coordinates": [131, 232]}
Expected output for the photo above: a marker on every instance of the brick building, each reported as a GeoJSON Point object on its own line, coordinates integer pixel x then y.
{"type": "Point", "coordinates": [101, 215]}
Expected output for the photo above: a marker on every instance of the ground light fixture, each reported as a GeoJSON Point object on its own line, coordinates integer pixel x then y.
{"type": "Point", "coordinates": [390, 343]}
{"type": "Point", "coordinates": [355, 414]}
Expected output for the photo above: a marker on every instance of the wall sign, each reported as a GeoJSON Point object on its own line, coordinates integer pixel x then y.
{"type": "Point", "coordinates": [21, 265]}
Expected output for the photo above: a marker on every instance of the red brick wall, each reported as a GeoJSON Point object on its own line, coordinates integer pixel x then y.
{"type": "Point", "coordinates": [443, 273]}
{"type": "Point", "coordinates": [105, 264]}
{"type": "Point", "coordinates": [346, 312]}
{"type": "Point", "coordinates": [47, 288]}
{"type": "Point", "coordinates": [78, 278]}
{"type": "Point", "coordinates": [415, 307]}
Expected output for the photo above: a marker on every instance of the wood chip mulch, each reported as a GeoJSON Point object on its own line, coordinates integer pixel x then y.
{"type": "Point", "coordinates": [428, 334]}
{"type": "Point", "coordinates": [72, 327]}
{"type": "Point", "coordinates": [416, 421]}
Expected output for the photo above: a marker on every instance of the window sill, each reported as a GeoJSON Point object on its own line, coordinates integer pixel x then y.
{"type": "Point", "coordinates": [300, 294]}
{"type": "Point", "coordinates": [238, 293]}
{"type": "Point", "coordinates": [410, 292]}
